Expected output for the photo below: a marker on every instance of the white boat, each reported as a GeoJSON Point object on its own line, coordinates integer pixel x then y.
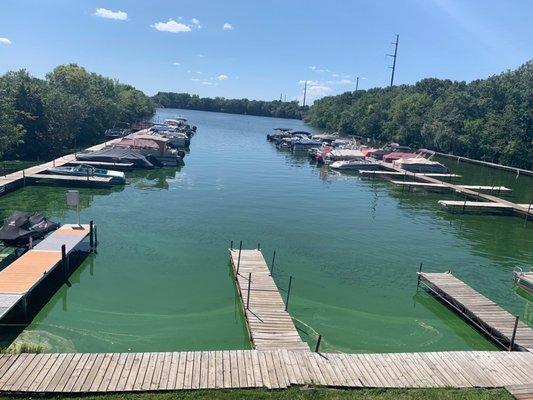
{"type": "Point", "coordinates": [524, 279]}
{"type": "Point", "coordinates": [345, 155]}
{"type": "Point", "coordinates": [355, 165]}
{"type": "Point", "coordinates": [420, 164]}
{"type": "Point", "coordinates": [89, 170]}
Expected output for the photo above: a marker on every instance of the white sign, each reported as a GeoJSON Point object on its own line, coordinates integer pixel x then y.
{"type": "Point", "coordinates": [73, 198]}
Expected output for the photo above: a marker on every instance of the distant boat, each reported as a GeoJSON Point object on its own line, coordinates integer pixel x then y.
{"type": "Point", "coordinates": [355, 165]}
{"type": "Point", "coordinates": [89, 170]}
{"type": "Point", "coordinates": [421, 165]}
{"type": "Point", "coordinates": [20, 226]}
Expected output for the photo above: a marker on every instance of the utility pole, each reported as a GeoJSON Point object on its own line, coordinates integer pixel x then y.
{"type": "Point", "coordinates": [394, 59]}
{"type": "Point", "coordinates": [281, 96]}
{"type": "Point", "coordinates": [357, 84]}
{"type": "Point", "coordinates": [305, 92]}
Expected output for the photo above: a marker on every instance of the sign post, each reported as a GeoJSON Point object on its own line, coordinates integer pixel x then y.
{"type": "Point", "coordinates": [73, 199]}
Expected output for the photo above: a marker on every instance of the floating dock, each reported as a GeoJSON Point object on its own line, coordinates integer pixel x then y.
{"type": "Point", "coordinates": [443, 186]}
{"type": "Point", "coordinates": [398, 173]}
{"type": "Point", "coordinates": [481, 205]}
{"type": "Point", "coordinates": [485, 315]}
{"type": "Point", "coordinates": [21, 277]}
{"type": "Point", "coordinates": [275, 369]}
{"type": "Point", "coordinates": [269, 324]}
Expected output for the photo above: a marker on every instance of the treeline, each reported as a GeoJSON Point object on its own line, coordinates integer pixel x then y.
{"type": "Point", "coordinates": [70, 108]}
{"type": "Point", "coordinates": [277, 108]}
{"type": "Point", "coordinates": [488, 119]}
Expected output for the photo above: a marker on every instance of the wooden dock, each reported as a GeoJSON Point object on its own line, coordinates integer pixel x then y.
{"type": "Point", "coordinates": [19, 278]}
{"type": "Point", "coordinates": [269, 324]}
{"type": "Point", "coordinates": [484, 314]}
{"type": "Point", "coordinates": [465, 191]}
{"type": "Point", "coordinates": [497, 189]}
{"type": "Point", "coordinates": [274, 369]}
{"type": "Point", "coordinates": [398, 173]}
{"type": "Point", "coordinates": [481, 205]}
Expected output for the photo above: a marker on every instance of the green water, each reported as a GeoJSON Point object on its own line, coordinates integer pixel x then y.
{"type": "Point", "coordinates": [160, 280]}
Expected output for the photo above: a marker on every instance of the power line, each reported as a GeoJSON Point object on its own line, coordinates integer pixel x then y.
{"type": "Point", "coordinates": [394, 59]}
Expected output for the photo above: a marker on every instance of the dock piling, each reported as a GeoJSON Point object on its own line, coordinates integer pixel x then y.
{"type": "Point", "coordinates": [64, 263]}
{"type": "Point", "coordinates": [258, 246]}
{"type": "Point", "coordinates": [527, 215]}
{"type": "Point", "coordinates": [231, 245]}
{"type": "Point", "coordinates": [95, 237]}
{"type": "Point", "coordinates": [419, 271]}
{"type": "Point", "coordinates": [317, 348]}
{"type": "Point", "coordinates": [273, 260]}
{"type": "Point", "coordinates": [511, 344]}
{"type": "Point", "coordinates": [288, 294]}
{"type": "Point", "coordinates": [239, 259]}
{"type": "Point", "coordinates": [249, 287]}
{"type": "Point", "coordinates": [91, 234]}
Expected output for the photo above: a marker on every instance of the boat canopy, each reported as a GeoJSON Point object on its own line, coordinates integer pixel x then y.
{"type": "Point", "coordinates": [346, 154]}
{"type": "Point", "coordinates": [117, 155]}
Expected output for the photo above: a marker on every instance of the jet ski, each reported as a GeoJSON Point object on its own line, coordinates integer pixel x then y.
{"type": "Point", "coordinates": [20, 226]}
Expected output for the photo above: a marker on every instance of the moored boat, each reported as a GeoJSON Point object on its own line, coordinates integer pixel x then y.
{"type": "Point", "coordinates": [21, 227]}
{"type": "Point", "coordinates": [88, 170]}
{"type": "Point", "coordinates": [524, 279]}
{"type": "Point", "coordinates": [420, 165]}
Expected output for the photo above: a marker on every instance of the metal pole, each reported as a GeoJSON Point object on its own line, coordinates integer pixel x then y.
{"type": "Point", "coordinates": [239, 259]}
{"type": "Point", "coordinates": [91, 234]}
{"type": "Point", "coordinates": [511, 345]}
{"type": "Point", "coordinates": [419, 271]}
{"type": "Point", "coordinates": [95, 237]}
{"type": "Point", "coordinates": [249, 287]}
{"type": "Point", "coordinates": [258, 246]}
{"type": "Point", "coordinates": [318, 343]}
{"type": "Point", "coordinates": [527, 215]}
{"type": "Point", "coordinates": [273, 260]}
{"type": "Point", "coordinates": [288, 294]}
{"type": "Point", "coordinates": [231, 245]}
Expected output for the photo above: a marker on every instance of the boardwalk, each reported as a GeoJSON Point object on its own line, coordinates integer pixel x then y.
{"type": "Point", "coordinates": [126, 372]}
{"type": "Point", "coordinates": [269, 325]}
{"type": "Point", "coordinates": [19, 278]}
{"type": "Point", "coordinates": [486, 315]}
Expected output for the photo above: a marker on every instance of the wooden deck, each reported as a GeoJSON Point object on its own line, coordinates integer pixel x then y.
{"type": "Point", "coordinates": [398, 173]}
{"type": "Point", "coordinates": [484, 314]}
{"type": "Point", "coordinates": [276, 369]}
{"type": "Point", "coordinates": [19, 278]}
{"type": "Point", "coordinates": [443, 186]}
{"type": "Point", "coordinates": [269, 325]}
{"type": "Point", "coordinates": [480, 204]}
{"type": "Point", "coordinates": [521, 392]}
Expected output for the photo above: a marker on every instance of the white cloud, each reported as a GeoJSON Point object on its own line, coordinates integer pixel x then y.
{"type": "Point", "coordinates": [207, 83]}
{"type": "Point", "coordinates": [4, 40]}
{"type": "Point", "coordinates": [344, 81]}
{"type": "Point", "coordinates": [201, 55]}
{"type": "Point", "coordinates": [317, 69]}
{"type": "Point", "coordinates": [315, 90]}
{"type": "Point", "coordinates": [195, 79]}
{"type": "Point", "coordinates": [196, 23]}
{"type": "Point", "coordinates": [109, 14]}
{"type": "Point", "coordinates": [227, 26]}
{"type": "Point", "coordinates": [222, 77]}
{"type": "Point", "coordinates": [171, 26]}
{"type": "Point", "coordinates": [199, 72]}
{"type": "Point", "coordinates": [176, 63]}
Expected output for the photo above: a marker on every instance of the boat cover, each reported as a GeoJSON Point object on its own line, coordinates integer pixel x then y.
{"type": "Point", "coordinates": [20, 226]}
{"type": "Point", "coordinates": [117, 155]}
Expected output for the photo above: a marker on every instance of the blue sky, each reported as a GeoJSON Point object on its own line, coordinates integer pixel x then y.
{"type": "Point", "coordinates": [267, 47]}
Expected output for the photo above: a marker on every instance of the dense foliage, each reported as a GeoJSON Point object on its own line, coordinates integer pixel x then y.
{"type": "Point", "coordinates": [488, 119]}
{"type": "Point", "coordinates": [69, 108]}
{"type": "Point", "coordinates": [277, 108]}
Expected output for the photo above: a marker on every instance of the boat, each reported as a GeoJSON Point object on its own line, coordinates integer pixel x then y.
{"type": "Point", "coordinates": [524, 279]}
{"type": "Point", "coordinates": [117, 155]}
{"type": "Point", "coordinates": [21, 226]}
{"type": "Point", "coordinates": [355, 165]}
{"type": "Point", "coordinates": [154, 147]}
{"type": "Point", "coordinates": [420, 165]}
{"type": "Point", "coordinates": [378, 154]}
{"type": "Point", "coordinates": [345, 154]}
{"type": "Point", "coordinates": [119, 130]}
{"type": "Point", "coordinates": [396, 155]}
{"type": "Point", "coordinates": [304, 144]}
{"type": "Point", "coordinates": [88, 170]}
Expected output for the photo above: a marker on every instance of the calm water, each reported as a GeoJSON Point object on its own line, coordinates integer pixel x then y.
{"type": "Point", "coordinates": [160, 280]}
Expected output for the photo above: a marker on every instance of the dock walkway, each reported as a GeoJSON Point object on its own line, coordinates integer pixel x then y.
{"type": "Point", "coordinates": [275, 369]}
{"type": "Point", "coordinates": [270, 326]}
{"type": "Point", "coordinates": [486, 315]}
{"type": "Point", "coordinates": [19, 278]}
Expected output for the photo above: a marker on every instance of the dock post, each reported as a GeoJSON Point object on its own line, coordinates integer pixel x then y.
{"type": "Point", "coordinates": [273, 260]}
{"type": "Point", "coordinates": [239, 259]}
{"type": "Point", "coordinates": [419, 271]}
{"type": "Point", "coordinates": [64, 263]}
{"type": "Point", "coordinates": [231, 245]}
{"type": "Point", "coordinates": [288, 294]}
{"type": "Point", "coordinates": [511, 345]}
{"type": "Point", "coordinates": [527, 215]}
{"type": "Point", "coordinates": [258, 246]}
{"type": "Point", "coordinates": [91, 234]}
{"type": "Point", "coordinates": [30, 243]}
{"type": "Point", "coordinates": [23, 177]}
{"type": "Point", "coordinates": [95, 237]}
{"type": "Point", "coordinates": [249, 287]}
{"type": "Point", "coordinates": [317, 348]}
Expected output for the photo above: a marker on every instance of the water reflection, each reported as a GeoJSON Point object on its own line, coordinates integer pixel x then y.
{"type": "Point", "coordinates": [153, 178]}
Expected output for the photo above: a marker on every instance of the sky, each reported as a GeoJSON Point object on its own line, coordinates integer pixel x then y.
{"type": "Point", "coordinates": [266, 49]}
